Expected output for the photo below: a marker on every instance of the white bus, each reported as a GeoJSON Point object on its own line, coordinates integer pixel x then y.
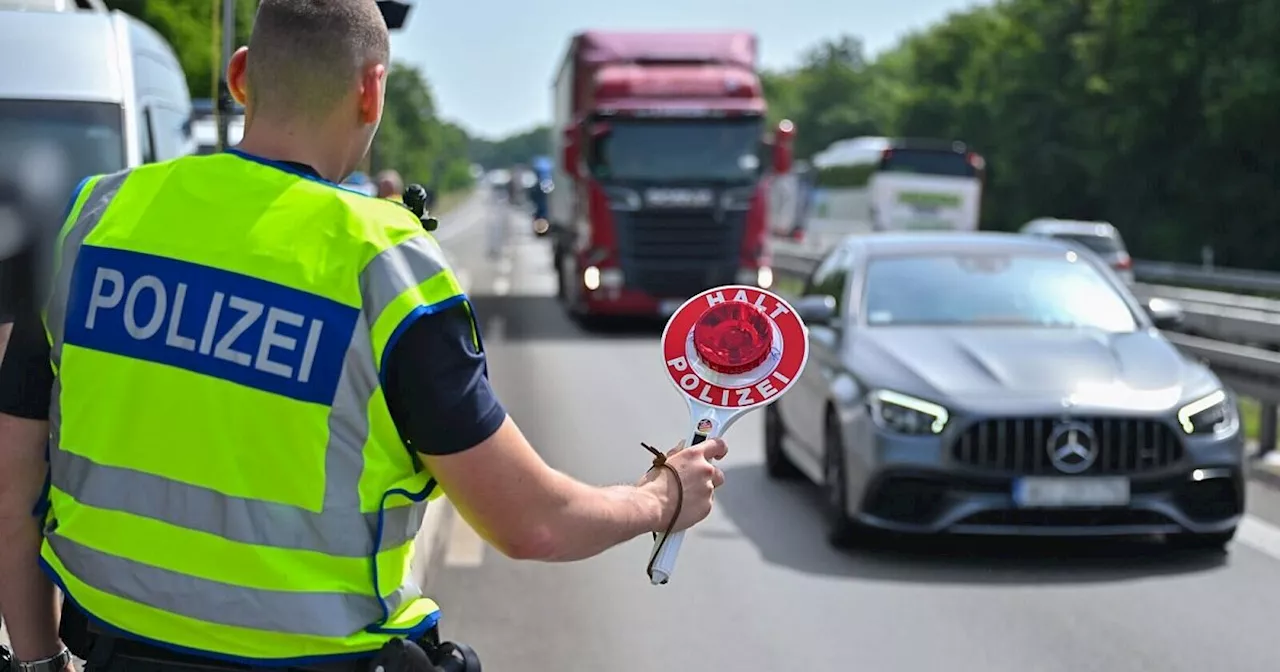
{"type": "Point", "coordinates": [871, 184]}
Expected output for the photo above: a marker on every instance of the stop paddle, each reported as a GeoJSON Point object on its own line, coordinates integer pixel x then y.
{"type": "Point", "coordinates": [729, 350]}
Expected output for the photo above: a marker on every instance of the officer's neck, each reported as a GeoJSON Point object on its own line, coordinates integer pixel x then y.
{"type": "Point", "coordinates": [296, 146]}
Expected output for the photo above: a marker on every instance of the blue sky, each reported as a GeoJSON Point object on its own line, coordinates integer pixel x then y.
{"type": "Point", "coordinates": [490, 62]}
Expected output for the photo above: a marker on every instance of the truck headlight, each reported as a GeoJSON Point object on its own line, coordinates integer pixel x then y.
{"type": "Point", "coordinates": [1211, 414]}
{"type": "Point", "coordinates": [905, 414]}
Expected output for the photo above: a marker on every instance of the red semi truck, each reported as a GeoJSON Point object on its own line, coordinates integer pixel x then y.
{"type": "Point", "coordinates": [663, 161]}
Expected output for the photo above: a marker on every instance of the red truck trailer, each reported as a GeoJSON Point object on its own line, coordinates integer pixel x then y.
{"type": "Point", "coordinates": [663, 160]}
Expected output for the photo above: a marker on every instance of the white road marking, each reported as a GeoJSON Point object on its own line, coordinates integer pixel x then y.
{"type": "Point", "coordinates": [466, 548]}
{"type": "Point", "coordinates": [506, 265]}
{"type": "Point", "coordinates": [501, 285]}
{"type": "Point", "coordinates": [1259, 535]}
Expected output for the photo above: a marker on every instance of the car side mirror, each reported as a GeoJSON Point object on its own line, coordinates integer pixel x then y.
{"type": "Point", "coordinates": [1164, 313]}
{"type": "Point", "coordinates": [816, 310]}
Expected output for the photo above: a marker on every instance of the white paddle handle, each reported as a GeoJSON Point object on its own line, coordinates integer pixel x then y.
{"type": "Point", "coordinates": [665, 563]}
{"type": "Point", "coordinates": [663, 558]}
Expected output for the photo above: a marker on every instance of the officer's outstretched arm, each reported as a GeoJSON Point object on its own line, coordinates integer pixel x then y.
{"type": "Point", "coordinates": [527, 510]}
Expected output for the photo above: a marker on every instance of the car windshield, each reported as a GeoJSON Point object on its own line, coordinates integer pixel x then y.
{"type": "Point", "coordinates": [1045, 290]}
{"type": "Point", "coordinates": [49, 146]}
{"type": "Point", "coordinates": [666, 150]}
{"type": "Point", "coordinates": [1103, 245]}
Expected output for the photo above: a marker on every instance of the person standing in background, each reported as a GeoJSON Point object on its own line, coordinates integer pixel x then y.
{"type": "Point", "coordinates": [390, 186]}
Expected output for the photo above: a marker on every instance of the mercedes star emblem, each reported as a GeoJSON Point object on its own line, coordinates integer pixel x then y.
{"type": "Point", "coordinates": [1072, 447]}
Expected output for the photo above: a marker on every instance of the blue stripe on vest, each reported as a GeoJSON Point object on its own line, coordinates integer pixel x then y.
{"type": "Point", "coordinates": [222, 324]}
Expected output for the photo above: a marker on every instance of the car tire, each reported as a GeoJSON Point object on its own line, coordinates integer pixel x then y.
{"type": "Point", "coordinates": [841, 529]}
{"type": "Point", "coordinates": [1208, 542]}
{"type": "Point", "coordinates": [776, 463]}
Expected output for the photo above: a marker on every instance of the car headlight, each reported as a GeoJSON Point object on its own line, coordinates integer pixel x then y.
{"type": "Point", "coordinates": [905, 414]}
{"type": "Point", "coordinates": [1212, 414]}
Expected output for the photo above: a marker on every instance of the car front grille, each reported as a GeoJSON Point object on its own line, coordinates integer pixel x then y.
{"type": "Point", "coordinates": [677, 255]}
{"type": "Point", "coordinates": [1021, 446]}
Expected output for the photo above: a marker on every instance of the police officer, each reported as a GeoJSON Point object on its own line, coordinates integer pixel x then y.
{"type": "Point", "coordinates": [390, 186]}
{"type": "Point", "coordinates": [248, 383]}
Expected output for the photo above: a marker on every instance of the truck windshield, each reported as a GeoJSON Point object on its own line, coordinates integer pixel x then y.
{"type": "Point", "coordinates": [49, 146]}
{"type": "Point", "coordinates": [663, 150]}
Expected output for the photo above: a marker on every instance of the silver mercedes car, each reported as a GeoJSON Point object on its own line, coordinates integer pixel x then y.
{"type": "Point", "coordinates": [986, 383]}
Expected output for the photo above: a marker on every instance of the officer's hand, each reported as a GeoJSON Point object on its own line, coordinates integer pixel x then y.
{"type": "Point", "coordinates": [698, 477]}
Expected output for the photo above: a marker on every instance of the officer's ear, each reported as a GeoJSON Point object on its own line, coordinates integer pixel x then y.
{"type": "Point", "coordinates": [372, 86]}
{"type": "Point", "coordinates": [235, 74]}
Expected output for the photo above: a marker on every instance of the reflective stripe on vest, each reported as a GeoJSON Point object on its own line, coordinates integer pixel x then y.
{"type": "Point", "coordinates": [259, 566]}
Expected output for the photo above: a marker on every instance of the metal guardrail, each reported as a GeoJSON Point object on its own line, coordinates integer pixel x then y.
{"type": "Point", "coordinates": [1236, 279]}
{"type": "Point", "coordinates": [1213, 318]}
{"type": "Point", "coordinates": [1234, 318]}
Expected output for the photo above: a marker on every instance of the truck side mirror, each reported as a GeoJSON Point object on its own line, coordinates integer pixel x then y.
{"type": "Point", "coordinates": [782, 154]}
{"type": "Point", "coordinates": [570, 152]}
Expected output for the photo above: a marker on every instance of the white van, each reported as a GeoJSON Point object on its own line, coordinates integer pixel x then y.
{"type": "Point", "coordinates": [86, 91]}
{"type": "Point", "coordinates": [874, 184]}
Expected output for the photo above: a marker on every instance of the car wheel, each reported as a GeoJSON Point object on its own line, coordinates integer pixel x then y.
{"type": "Point", "coordinates": [776, 463]}
{"type": "Point", "coordinates": [1212, 541]}
{"type": "Point", "coordinates": [841, 530]}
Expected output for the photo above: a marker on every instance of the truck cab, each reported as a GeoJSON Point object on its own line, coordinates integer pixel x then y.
{"type": "Point", "coordinates": [664, 159]}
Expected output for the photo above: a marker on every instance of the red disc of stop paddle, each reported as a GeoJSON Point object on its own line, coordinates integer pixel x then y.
{"type": "Point", "coordinates": [735, 347]}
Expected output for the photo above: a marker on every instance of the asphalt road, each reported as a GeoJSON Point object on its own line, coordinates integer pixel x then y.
{"type": "Point", "coordinates": [757, 587]}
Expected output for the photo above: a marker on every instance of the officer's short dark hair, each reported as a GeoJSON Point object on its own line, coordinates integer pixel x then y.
{"type": "Point", "coordinates": [305, 55]}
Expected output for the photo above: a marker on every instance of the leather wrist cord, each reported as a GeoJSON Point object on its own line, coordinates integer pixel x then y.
{"type": "Point", "coordinates": [660, 462]}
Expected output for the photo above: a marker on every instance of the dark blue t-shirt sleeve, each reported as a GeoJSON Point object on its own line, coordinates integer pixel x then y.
{"type": "Point", "coordinates": [437, 385]}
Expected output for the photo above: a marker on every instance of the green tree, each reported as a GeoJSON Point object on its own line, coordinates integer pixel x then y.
{"type": "Point", "coordinates": [518, 148]}
{"type": "Point", "coordinates": [194, 30]}
{"type": "Point", "coordinates": [413, 140]}
{"type": "Point", "coordinates": [1152, 114]}
{"type": "Point", "coordinates": [827, 96]}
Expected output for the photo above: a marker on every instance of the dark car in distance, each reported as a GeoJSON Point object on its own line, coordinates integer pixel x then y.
{"type": "Point", "coordinates": [986, 383]}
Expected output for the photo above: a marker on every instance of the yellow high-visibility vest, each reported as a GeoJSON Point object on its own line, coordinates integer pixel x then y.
{"type": "Point", "coordinates": [225, 476]}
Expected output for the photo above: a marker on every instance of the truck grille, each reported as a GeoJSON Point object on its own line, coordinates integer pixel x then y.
{"type": "Point", "coordinates": [1020, 446]}
{"type": "Point", "coordinates": [677, 255]}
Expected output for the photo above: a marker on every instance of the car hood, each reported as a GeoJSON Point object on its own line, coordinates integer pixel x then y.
{"type": "Point", "coordinates": [993, 366]}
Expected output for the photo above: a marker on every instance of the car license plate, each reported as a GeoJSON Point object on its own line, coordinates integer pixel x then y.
{"type": "Point", "coordinates": [1070, 491]}
{"type": "Point", "coordinates": [668, 308]}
